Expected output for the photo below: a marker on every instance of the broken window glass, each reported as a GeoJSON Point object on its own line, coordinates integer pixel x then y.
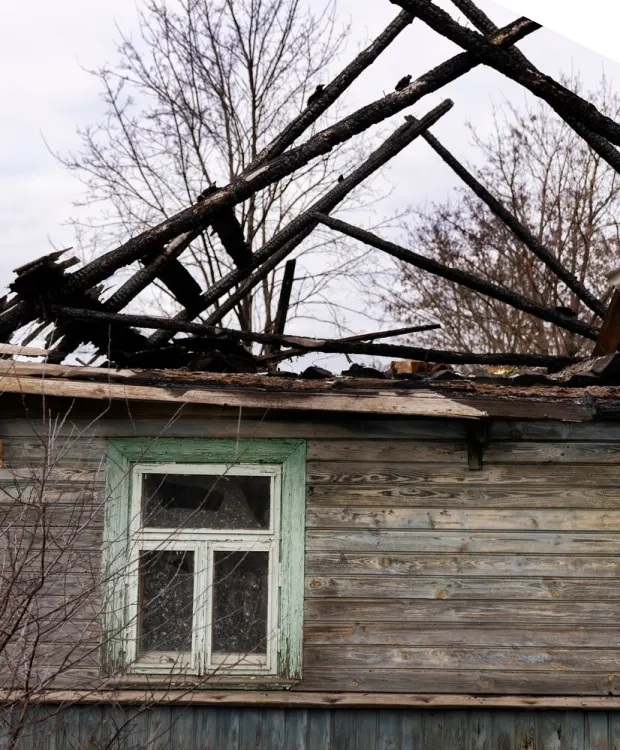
{"type": "Point", "coordinates": [240, 596]}
{"type": "Point", "coordinates": [166, 601]}
{"type": "Point", "coordinates": [202, 501]}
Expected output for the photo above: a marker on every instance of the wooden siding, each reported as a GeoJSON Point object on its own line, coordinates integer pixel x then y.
{"type": "Point", "coordinates": [420, 575]}
{"type": "Point", "coordinates": [219, 728]}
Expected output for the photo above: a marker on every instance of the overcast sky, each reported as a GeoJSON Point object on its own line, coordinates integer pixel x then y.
{"type": "Point", "coordinates": [44, 48]}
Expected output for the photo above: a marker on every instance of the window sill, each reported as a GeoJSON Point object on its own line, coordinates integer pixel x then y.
{"type": "Point", "coordinates": [193, 682]}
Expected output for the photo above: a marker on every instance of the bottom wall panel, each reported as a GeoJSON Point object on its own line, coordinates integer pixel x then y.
{"type": "Point", "coordinates": [226, 728]}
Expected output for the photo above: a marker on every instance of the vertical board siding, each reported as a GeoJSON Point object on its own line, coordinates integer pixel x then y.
{"type": "Point", "coordinates": [225, 728]}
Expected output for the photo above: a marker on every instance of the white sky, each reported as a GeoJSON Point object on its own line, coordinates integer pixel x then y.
{"type": "Point", "coordinates": [45, 46]}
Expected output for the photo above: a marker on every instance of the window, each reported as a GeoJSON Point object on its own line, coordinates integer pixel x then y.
{"type": "Point", "coordinates": [203, 557]}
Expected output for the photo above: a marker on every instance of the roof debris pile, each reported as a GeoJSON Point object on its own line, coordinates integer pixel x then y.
{"type": "Point", "coordinates": [50, 295]}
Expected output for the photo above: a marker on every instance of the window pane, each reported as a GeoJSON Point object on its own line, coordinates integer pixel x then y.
{"type": "Point", "coordinates": [202, 501]}
{"type": "Point", "coordinates": [240, 595]}
{"type": "Point", "coordinates": [166, 601]}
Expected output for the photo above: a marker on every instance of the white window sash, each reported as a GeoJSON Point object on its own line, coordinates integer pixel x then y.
{"type": "Point", "coordinates": [203, 543]}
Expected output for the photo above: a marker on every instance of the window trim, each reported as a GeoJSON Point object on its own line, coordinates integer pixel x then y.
{"type": "Point", "coordinates": [124, 456]}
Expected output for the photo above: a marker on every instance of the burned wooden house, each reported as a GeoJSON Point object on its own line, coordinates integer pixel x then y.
{"type": "Point", "coordinates": [202, 551]}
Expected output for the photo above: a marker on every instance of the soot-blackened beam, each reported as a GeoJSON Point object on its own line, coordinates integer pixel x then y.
{"type": "Point", "coordinates": [518, 229]}
{"type": "Point", "coordinates": [293, 234]}
{"type": "Point", "coordinates": [334, 90]}
{"type": "Point", "coordinates": [308, 345]}
{"type": "Point", "coordinates": [284, 300]}
{"type": "Point", "coordinates": [198, 216]}
{"type": "Point", "coordinates": [476, 283]}
{"type": "Point", "coordinates": [596, 142]}
{"type": "Point", "coordinates": [555, 94]}
{"type": "Point", "coordinates": [358, 337]}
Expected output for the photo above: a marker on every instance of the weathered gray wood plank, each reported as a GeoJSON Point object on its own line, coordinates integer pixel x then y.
{"type": "Point", "coordinates": [228, 729]}
{"type": "Point", "coordinates": [373, 451]}
{"type": "Point", "coordinates": [525, 730]}
{"type": "Point", "coordinates": [478, 635]}
{"type": "Point", "coordinates": [476, 542]}
{"type": "Point", "coordinates": [439, 680]}
{"type": "Point", "coordinates": [480, 731]}
{"type": "Point", "coordinates": [319, 728]}
{"type": "Point", "coordinates": [456, 730]}
{"type": "Point", "coordinates": [503, 730]}
{"type": "Point", "coordinates": [433, 730]}
{"type": "Point", "coordinates": [574, 730]}
{"type": "Point", "coordinates": [529, 659]}
{"type": "Point", "coordinates": [337, 564]}
{"type": "Point", "coordinates": [296, 730]}
{"type": "Point", "coordinates": [391, 473]}
{"type": "Point", "coordinates": [432, 495]}
{"type": "Point", "coordinates": [550, 730]}
{"type": "Point", "coordinates": [465, 613]}
{"type": "Point", "coordinates": [352, 517]}
{"type": "Point", "coordinates": [467, 588]}
{"type": "Point", "coordinates": [597, 736]}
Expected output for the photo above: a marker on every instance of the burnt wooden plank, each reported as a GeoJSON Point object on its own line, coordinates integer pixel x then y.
{"type": "Point", "coordinates": [407, 564]}
{"type": "Point", "coordinates": [451, 542]}
{"type": "Point", "coordinates": [464, 589]}
{"type": "Point", "coordinates": [562, 432]}
{"type": "Point", "coordinates": [477, 635]}
{"type": "Point", "coordinates": [448, 519]}
{"type": "Point", "coordinates": [528, 659]}
{"type": "Point", "coordinates": [464, 613]}
{"type": "Point", "coordinates": [144, 420]}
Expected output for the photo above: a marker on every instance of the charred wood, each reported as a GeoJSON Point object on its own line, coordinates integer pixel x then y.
{"type": "Point", "coordinates": [289, 238]}
{"type": "Point", "coordinates": [208, 336]}
{"type": "Point", "coordinates": [515, 226]}
{"type": "Point", "coordinates": [561, 99]}
{"type": "Point", "coordinates": [464, 278]}
{"type": "Point", "coordinates": [198, 216]}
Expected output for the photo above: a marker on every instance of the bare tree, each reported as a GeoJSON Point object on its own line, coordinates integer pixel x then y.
{"type": "Point", "coordinates": [558, 188]}
{"type": "Point", "coordinates": [190, 104]}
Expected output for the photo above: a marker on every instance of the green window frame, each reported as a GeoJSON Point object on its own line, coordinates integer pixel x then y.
{"type": "Point", "coordinates": [284, 461]}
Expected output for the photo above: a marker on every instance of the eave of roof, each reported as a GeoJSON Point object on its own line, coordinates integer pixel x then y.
{"type": "Point", "coordinates": [466, 399]}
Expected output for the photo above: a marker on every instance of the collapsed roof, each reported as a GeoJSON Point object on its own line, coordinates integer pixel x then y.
{"type": "Point", "coordinates": [50, 293]}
